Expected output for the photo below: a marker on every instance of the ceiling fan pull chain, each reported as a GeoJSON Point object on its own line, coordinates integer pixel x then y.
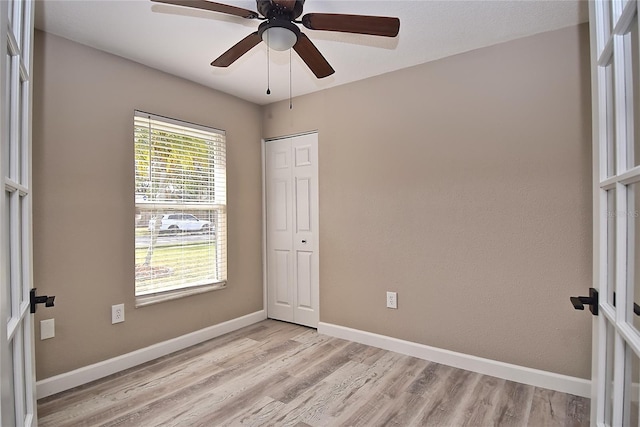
{"type": "Point", "coordinates": [290, 102]}
{"type": "Point", "coordinates": [268, 65]}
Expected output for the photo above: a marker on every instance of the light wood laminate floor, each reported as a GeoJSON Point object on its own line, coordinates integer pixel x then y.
{"type": "Point", "coordinates": [276, 373]}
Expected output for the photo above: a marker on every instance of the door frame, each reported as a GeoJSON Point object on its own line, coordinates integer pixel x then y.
{"type": "Point", "coordinates": [263, 151]}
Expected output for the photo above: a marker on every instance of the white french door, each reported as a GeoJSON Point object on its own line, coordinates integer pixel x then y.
{"type": "Point", "coordinates": [615, 53]}
{"type": "Point", "coordinates": [17, 369]}
{"type": "Point", "coordinates": [291, 177]}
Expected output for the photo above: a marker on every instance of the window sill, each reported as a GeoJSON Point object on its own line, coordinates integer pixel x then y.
{"type": "Point", "coordinates": [150, 299]}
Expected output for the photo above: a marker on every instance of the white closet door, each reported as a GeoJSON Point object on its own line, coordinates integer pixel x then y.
{"type": "Point", "coordinates": [292, 229]}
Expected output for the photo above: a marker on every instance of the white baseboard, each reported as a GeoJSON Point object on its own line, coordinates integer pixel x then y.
{"type": "Point", "coordinates": [86, 374]}
{"type": "Point", "coordinates": [521, 374]}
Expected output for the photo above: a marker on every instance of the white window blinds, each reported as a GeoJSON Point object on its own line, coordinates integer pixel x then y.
{"type": "Point", "coordinates": [180, 197]}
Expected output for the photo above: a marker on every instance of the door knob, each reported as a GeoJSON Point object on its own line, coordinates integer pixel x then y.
{"type": "Point", "coordinates": [591, 301]}
{"type": "Point", "coordinates": [40, 299]}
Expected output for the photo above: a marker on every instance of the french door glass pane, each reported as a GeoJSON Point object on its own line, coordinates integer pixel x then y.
{"type": "Point", "coordinates": [22, 286]}
{"type": "Point", "coordinates": [23, 177]}
{"type": "Point", "coordinates": [4, 137]}
{"type": "Point", "coordinates": [17, 92]}
{"type": "Point", "coordinates": [19, 29]}
{"type": "Point", "coordinates": [633, 92]}
{"type": "Point", "coordinates": [609, 24]}
{"type": "Point", "coordinates": [632, 377]}
{"type": "Point", "coordinates": [19, 372]}
{"type": "Point", "coordinates": [7, 271]}
{"type": "Point", "coordinates": [633, 252]}
{"type": "Point", "coordinates": [25, 36]}
{"type": "Point", "coordinates": [16, 19]}
{"type": "Point", "coordinates": [611, 245]}
{"type": "Point", "coordinates": [24, 247]}
{"type": "Point", "coordinates": [14, 131]}
{"type": "Point", "coordinates": [611, 122]}
{"type": "Point", "coordinates": [608, 394]}
{"type": "Point", "coordinates": [15, 260]}
{"type": "Point", "coordinates": [11, 396]}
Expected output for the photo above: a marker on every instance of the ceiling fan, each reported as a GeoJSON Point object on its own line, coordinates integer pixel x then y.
{"type": "Point", "coordinates": [280, 32]}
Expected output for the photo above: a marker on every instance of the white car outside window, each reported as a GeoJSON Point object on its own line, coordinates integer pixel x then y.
{"type": "Point", "coordinates": [181, 222]}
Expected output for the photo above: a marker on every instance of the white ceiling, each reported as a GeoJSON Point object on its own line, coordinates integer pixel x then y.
{"type": "Point", "coordinates": [183, 41]}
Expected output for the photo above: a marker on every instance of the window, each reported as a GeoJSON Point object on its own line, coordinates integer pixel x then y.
{"type": "Point", "coordinates": [181, 212]}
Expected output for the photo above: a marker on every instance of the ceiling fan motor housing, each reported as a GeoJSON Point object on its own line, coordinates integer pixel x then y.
{"type": "Point", "coordinates": [278, 30]}
{"type": "Point", "coordinates": [284, 9]}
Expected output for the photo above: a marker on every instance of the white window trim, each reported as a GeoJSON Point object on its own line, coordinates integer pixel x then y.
{"type": "Point", "coordinates": [150, 299]}
{"type": "Point", "coordinates": [161, 296]}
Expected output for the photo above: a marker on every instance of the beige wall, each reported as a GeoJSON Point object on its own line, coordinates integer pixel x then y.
{"type": "Point", "coordinates": [464, 185]}
{"type": "Point", "coordinates": [84, 208]}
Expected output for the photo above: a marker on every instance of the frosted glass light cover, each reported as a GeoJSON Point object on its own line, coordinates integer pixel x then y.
{"type": "Point", "coordinates": [279, 38]}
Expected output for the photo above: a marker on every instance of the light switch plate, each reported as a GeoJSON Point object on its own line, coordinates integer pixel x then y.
{"type": "Point", "coordinates": [47, 329]}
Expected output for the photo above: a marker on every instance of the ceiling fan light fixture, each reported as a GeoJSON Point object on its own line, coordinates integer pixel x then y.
{"type": "Point", "coordinates": [279, 38]}
{"type": "Point", "coordinates": [279, 34]}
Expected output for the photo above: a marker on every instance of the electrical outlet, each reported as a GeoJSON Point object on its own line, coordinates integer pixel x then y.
{"type": "Point", "coordinates": [117, 313]}
{"type": "Point", "coordinates": [392, 300]}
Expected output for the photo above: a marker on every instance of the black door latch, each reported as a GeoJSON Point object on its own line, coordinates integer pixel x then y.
{"type": "Point", "coordinates": [42, 299]}
{"type": "Point", "coordinates": [591, 301]}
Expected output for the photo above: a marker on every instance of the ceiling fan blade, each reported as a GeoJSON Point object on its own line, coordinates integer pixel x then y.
{"type": "Point", "coordinates": [312, 57]}
{"type": "Point", "coordinates": [213, 7]}
{"type": "Point", "coordinates": [237, 50]}
{"type": "Point", "coordinates": [358, 24]}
